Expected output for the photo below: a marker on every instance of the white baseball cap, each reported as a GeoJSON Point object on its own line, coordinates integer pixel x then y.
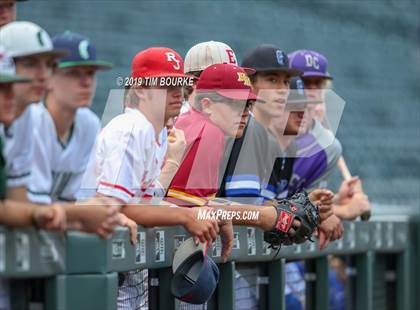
{"type": "Point", "coordinates": [204, 54]}
{"type": "Point", "coordinates": [7, 69]}
{"type": "Point", "coordinates": [25, 39]}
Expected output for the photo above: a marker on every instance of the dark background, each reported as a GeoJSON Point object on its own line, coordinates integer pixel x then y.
{"type": "Point", "coordinates": [372, 48]}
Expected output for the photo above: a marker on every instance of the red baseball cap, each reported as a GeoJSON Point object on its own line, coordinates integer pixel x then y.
{"type": "Point", "coordinates": [157, 62]}
{"type": "Point", "coordinates": [227, 80]}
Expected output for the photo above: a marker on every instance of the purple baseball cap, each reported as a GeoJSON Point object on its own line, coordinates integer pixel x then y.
{"type": "Point", "coordinates": [311, 63]}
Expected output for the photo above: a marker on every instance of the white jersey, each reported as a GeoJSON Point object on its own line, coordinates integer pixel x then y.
{"type": "Point", "coordinates": [127, 159]}
{"type": "Point", "coordinates": [126, 164]}
{"type": "Point", "coordinates": [57, 169]}
{"type": "Point", "coordinates": [19, 149]}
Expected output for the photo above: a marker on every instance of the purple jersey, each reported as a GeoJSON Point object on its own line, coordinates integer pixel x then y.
{"type": "Point", "coordinates": [317, 154]}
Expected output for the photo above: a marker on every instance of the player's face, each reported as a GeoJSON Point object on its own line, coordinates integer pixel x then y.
{"type": "Point", "coordinates": [315, 90]}
{"type": "Point", "coordinates": [7, 12]}
{"type": "Point", "coordinates": [230, 117]}
{"type": "Point", "coordinates": [295, 123]}
{"type": "Point", "coordinates": [273, 89]}
{"type": "Point", "coordinates": [7, 105]}
{"type": "Point", "coordinates": [74, 87]}
{"type": "Point", "coordinates": [173, 102]}
{"type": "Point", "coordinates": [314, 87]}
{"type": "Point", "coordinates": [189, 91]}
{"type": "Point", "coordinates": [292, 121]}
{"type": "Point", "coordinates": [39, 69]}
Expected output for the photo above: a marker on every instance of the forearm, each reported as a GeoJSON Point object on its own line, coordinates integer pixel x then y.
{"type": "Point", "coordinates": [73, 212]}
{"type": "Point", "coordinates": [149, 216]}
{"type": "Point", "coordinates": [340, 211]}
{"type": "Point", "coordinates": [16, 214]}
{"type": "Point", "coordinates": [17, 194]}
{"type": "Point", "coordinates": [266, 219]}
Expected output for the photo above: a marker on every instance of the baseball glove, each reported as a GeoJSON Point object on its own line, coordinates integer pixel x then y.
{"type": "Point", "coordinates": [300, 208]}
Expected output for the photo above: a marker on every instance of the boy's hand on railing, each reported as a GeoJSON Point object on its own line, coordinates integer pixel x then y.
{"type": "Point", "coordinates": [203, 229]}
{"type": "Point", "coordinates": [226, 235]}
{"type": "Point", "coordinates": [123, 220]}
{"type": "Point", "coordinates": [329, 230]}
{"type": "Point", "coordinates": [323, 198]}
{"type": "Point", "coordinates": [97, 215]}
{"type": "Point", "coordinates": [50, 217]}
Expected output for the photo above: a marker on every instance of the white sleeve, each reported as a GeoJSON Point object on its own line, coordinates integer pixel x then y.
{"type": "Point", "coordinates": [19, 169]}
{"type": "Point", "coordinates": [121, 158]}
{"type": "Point", "coordinates": [86, 131]}
{"type": "Point", "coordinates": [41, 179]}
{"type": "Point", "coordinates": [19, 151]}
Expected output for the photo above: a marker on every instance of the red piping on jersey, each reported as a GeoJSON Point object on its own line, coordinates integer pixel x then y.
{"type": "Point", "coordinates": [117, 187]}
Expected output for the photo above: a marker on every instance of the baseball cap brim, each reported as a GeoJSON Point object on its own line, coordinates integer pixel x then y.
{"type": "Point", "coordinates": [164, 74]}
{"type": "Point", "coordinates": [291, 72]}
{"type": "Point", "coordinates": [101, 65]}
{"type": "Point", "coordinates": [237, 94]}
{"type": "Point", "coordinates": [317, 74]}
{"type": "Point", "coordinates": [8, 78]}
{"type": "Point", "coordinates": [249, 71]}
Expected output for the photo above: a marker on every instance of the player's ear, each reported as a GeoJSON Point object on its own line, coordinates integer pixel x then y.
{"type": "Point", "coordinates": [140, 93]}
{"type": "Point", "coordinates": [254, 78]}
{"type": "Point", "coordinates": [206, 104]}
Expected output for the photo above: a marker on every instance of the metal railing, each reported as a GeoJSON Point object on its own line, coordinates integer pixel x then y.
{"type": "Point", "coordinates": [79, 271]}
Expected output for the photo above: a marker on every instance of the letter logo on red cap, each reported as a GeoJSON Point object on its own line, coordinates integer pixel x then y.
{"type": "Point", "coordinates": [231, 56]}
{"type": "Point", "coordinates": [171, 57]}
{"type": "Point", "coordinates": [242, 77]}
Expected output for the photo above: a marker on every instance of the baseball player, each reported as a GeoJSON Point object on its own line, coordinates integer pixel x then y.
{"type": "Point", "coordinates": [34, 55]}
{"type": "Point", "coordinates": [18, 214]}
{"type": "Point", "coordinates": [217, 113]}
{"type": "Point", "coordinates": [65, 129]}
{"type": "Point", "coordinates": [128, 157]}
{"type": "Point", "coordinates": [351, 201]}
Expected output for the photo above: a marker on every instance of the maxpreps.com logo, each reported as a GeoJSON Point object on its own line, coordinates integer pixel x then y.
{"type": "Point", "coordinates": [242, 77]}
